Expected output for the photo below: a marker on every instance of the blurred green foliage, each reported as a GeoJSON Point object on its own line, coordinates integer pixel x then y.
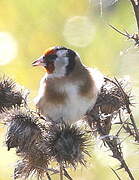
{"type": "Point", "coordinates": [36, 25]}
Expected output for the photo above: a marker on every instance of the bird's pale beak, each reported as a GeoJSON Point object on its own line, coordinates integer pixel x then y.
{"type": "Point", "coordinates": [39, 62]}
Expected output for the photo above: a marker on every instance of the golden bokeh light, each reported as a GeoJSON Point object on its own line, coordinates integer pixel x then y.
{"type": "Point", "coordinates": [8, 48]}
{"type": "Point", "coordinates": [79, 31]}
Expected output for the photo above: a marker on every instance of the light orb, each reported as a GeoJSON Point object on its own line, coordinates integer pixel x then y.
{"type": "Point", "coordinates": [8, 48]}
{"type": "Point", "coordinates": [79, 31]}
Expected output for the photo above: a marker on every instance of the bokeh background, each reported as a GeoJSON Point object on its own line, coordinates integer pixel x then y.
{"type": "Point", "coordinates": [28, 27]}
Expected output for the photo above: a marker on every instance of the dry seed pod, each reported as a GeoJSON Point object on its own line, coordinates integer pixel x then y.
{"type": "Point", "coordinates": [34, 162]}
{"type": "Point", "coordinates": [108, 104]}
{"type": "Point", "coordinates": [67, 144]}
{"type": "Point", "coordinates": [9, 94]}
{"type": "Point", "coordinates": [22, 129]}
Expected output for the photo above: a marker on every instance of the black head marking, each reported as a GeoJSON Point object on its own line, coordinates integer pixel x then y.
{"type": "Point", "coordinates": [50, 57]}
{"type": "Point", "coordinates": [60, 48]}
{"type": "Point", "coordinates": [69, 68]}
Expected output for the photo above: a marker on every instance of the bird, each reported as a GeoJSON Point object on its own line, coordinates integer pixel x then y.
{"type": "Point", "coordinates": [68, 89]}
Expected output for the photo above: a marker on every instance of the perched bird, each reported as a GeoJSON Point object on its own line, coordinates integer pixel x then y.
{"type": "Point", "coordinates": [68, 89]}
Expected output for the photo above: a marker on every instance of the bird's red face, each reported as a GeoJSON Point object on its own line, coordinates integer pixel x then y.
{"type": "Point", "coordinates": [47, 60]}
{"type": "Point", "coordinates": [57, 60]}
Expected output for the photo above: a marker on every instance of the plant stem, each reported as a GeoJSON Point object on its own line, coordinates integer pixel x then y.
{"type": "Point", "coordinates": [135, 4]}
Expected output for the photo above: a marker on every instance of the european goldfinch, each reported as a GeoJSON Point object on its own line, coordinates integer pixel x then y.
{"type": "Point", "coordinates": [68, 89]}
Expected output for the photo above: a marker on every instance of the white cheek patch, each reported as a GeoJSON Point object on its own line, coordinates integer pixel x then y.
{"type": "Point", "coordinates": [60, 67]}
{"type": "Point", "coordinates": [61, 62]}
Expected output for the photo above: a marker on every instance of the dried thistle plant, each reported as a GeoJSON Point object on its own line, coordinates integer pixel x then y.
{"type": "Point", "coordinates": [34, 162]}
{"type": "Point", "coordinates": [39, 143]}
{"type": "Point", "coordinates": [67, 144]}
{"type": "Point", "coordinates": [9, 94]}
{"type": "Point", "coordinates": [113, 101]}
{"type": "Point", "coordinates": [109, 102]}
{"type": "Point", "coordinates": [25, 135]}
{"type": "Point", "coordinates": [22, 129]}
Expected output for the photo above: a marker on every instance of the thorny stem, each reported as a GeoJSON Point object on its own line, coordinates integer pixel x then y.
{"type": "Point", "coordinates": [124, 165]}
{"type": "Point", "coordinates": [129, 112]}
{"type": "Point", "coordinates": [116, 174]}
{"type": "Point", "coordinates": [61, 172]}
{"type": "Point", "coordinates": [112, 141]}
{"type": "Point", "coordinates": [134, 124]}
{"type": "Point", "coordinates": [126, 128]}
{"type": "Point", "coordinates": [127, 107]}
{"type": "Point", "coordinates": [122, 125]}
{"type": "Point", "coordinates": [135, 37]}
{"type": "Point", "coordinates": [135, 4]}
{"type": "Point", "coordinates": [55, 171]}
{"type": "Point", "coordinates": [120, 32]}
{"type": "Point", "coordinates": [66, 174]}
{"type": "Point", "coordinates": [48, 176]}
{"type": "Point", "coordinates": [116, 150]}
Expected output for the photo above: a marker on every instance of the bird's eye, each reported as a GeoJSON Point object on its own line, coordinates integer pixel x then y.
{"type": "Point", "coordinates": [44, 57]}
